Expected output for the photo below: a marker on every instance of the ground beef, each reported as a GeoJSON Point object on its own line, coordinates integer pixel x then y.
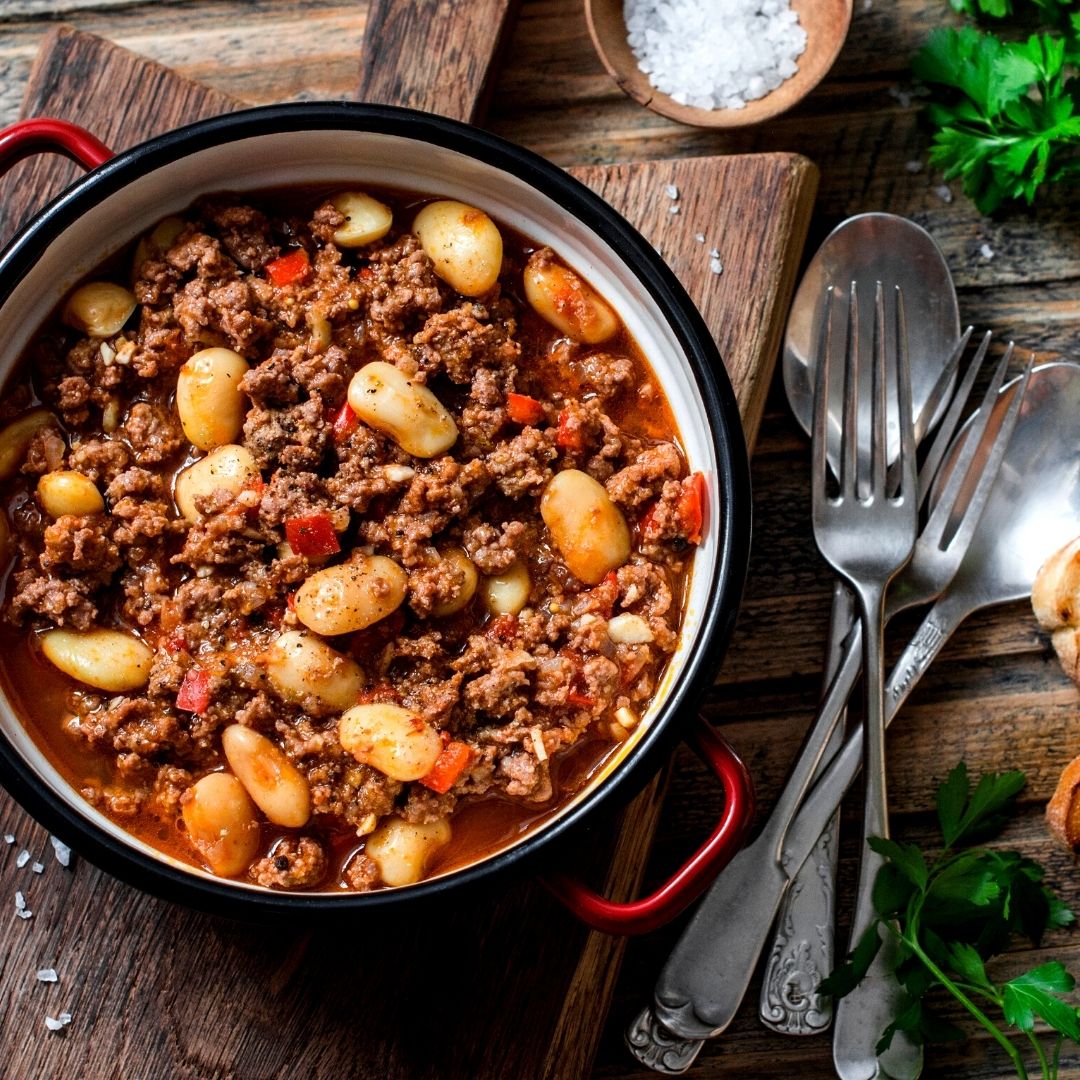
{"type": "Point", "coordinates": [153, 432]}
{"type": "Point", "coordinates": [100, 459]}
{"type": "Point", "coordinates": [644, 478]}
{"type": "Point", "coordinates": [80, 544]}
{"type": "Point", "coordinates": [402, 286]}
{"type": "Point", "coordinates": [293, 863]}
{"type": "Point", "coordinates": [458, 342]}
{"type": "Point", "coordinates": [522, 466]}
{"type": "Point", "coordinates": [63, 602]}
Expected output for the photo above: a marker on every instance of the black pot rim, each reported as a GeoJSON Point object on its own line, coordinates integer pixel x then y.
{"type": "Point", "coordinates": [713, 385]}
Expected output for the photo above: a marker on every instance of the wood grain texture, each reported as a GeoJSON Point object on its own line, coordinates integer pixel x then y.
{"type": "Point", "coordinates": [444, 62]}
{"type": "Point", "coordinates": [303, 969]}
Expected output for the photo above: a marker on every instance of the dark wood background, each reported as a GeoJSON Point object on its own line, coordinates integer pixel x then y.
{"type": "Point", "coordinates": [144, 1005]}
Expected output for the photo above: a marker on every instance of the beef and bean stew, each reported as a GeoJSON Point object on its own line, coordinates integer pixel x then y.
{"type": "Point", "coordinates": [346, 533]}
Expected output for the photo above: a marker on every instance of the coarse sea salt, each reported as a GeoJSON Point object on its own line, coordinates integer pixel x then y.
{"type": "Point", "coordinates": [715, 55]}
{"type": "Point", "coordinates": [61, 851]}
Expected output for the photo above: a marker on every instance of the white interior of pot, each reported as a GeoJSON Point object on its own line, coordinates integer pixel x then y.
{"type": "Point", "coordinates": [355, 158]}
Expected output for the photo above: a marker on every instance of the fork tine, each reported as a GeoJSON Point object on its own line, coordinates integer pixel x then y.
{"type": "Point", "coordinates": [958, 478]}
{"type": "Point", "coordinates": [849, 455]}
{"type": "Point", "coordinates": [903, 391]}
{"type": "Point", "coordinates": [819, 435]}
{"type": "Point", "coordinates": [941, 387]}
{"type": "Point", "coordinates": [943, 438]}
{"type": "Point", "coordinates": [879, 408]}
{"type": "Point", "coordinates": [973, 510]}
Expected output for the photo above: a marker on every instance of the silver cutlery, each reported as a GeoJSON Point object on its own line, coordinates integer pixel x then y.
{"type": "Point", "coordinates": [867, 534]}
{"type": "Point", "coordinates": [802, 951]}
{"type": "Point", "coordinates": [705, 978]}
{"type": "Point", "coordinates": [866, 248]}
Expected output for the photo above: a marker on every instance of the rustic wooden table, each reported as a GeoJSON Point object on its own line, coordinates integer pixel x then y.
{"type": "Point", "coordinates": [996, 698]}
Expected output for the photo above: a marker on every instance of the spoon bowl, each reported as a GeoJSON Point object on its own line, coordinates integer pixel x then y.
{"type": "Point", "coordinates": [867, 249]}
{"type": "Point", "coordinates": [826, 23]}
{"type": "Point", "coordinates": [1034, 507]}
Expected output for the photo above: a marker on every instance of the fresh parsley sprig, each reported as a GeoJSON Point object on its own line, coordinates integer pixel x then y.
{"type": "Point", "coordinates": [953, 914]}
{"type": "Point", "coordinates": [1004, 113]}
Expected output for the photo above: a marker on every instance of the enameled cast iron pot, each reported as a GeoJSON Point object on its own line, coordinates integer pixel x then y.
{"type": "Point", "coordinates": [125, 195]}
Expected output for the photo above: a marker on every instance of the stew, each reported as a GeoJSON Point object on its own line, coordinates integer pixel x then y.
{"type": "Point", "coordinates": [347, 532]}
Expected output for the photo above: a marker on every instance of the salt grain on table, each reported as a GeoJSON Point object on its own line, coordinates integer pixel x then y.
{"type": "Point", "coordinates": [672, 191]}
{"type": "Point", "coordinates": [47, 975]}
{"type": "Point", "coordinates": [944, 193]}
{"type": "Point", "coordinates": [717, 55]}
{"type": "Point", "coordinates": [61, 851]}
{"type": "Point", "coordinates": [37, 868]}
{"type": "Point", "coordinates": [987, 252]}
{"type": "Point", "coordinates": [23, 858]}
{"type": "Point", "coordinates": [9, 839]}
{"type": "Point", "coordinates": [21, 909]}
{"type": "Point", "coordinates": [913, 166]}
{"type": "Point", "coordinates": [61, 1021]}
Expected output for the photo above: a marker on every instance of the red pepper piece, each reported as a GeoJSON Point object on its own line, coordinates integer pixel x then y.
{"type": "Point", "coordinates": [523, 409]}
{"type": "Point", "coordinates": [176, 643]}
{"type": "Point", "coordinates": [690, 511]}
{"type": "Point", "coordinates": [194, 693]}
{"type": "Point", "coordinates": [647, 521]}
{"type": "Point", "coordinates": [313, 535]}
{"type": "Point", "coordinates": [448, 766]}
{"type": "Point", "coordinates": [569, 435]}
{"type": "Point", "coordinates": [382, 693]}
{"type": "Point", "coordinates": [345, 422]}
{"type": "Point", "coordinates": [289, 269]}
{"type": "Point", "coordinates": [581, 701]}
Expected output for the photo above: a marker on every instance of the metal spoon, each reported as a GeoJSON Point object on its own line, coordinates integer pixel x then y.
{"type": "Point", "coordinates": [1033, 510]}
{"type": "Point", "coordinates": [866, 249]}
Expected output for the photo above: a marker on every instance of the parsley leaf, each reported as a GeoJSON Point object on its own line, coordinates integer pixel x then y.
{"type": "Point", "coordinates": [1034, 993]}
{"type": "Point", "coordinates": [1003, 111]}
{"type": "Point", "coordinates": [951, 915]}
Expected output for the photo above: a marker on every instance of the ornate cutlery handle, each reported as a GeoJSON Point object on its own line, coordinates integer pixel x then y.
{"type": "Point", "coordinates": [688, 1003]}
{"type": "Point", "coordinates": [802, 950]}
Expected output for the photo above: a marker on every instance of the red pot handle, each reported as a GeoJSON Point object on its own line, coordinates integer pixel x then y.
{"type": "Point", "coordinates": [51, 137]}
{"type": "Point", "coordinates": [696, 874]}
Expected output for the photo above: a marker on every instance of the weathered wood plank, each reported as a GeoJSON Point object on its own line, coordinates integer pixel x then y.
{"type": "Point", "coordinates": [451, 72]}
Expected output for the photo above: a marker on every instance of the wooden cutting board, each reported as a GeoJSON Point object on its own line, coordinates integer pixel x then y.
{"type": "Point", "coordinates": [501, 982]}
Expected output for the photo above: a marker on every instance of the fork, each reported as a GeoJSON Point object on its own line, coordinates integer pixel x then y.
{"type": "Point", "coordinates": [802, 950]}
{"type": "Point", "coordinates": [706, 976]}
{"type": "Point", "coordinates": [868, 536]}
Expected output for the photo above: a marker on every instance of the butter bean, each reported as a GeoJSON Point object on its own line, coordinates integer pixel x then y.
{"type": "Point", "coordinates": [112, 660]}
{"type": "Point", "coordinates": [68, 492]}
{"type": "Point", "coordinates": [15, 439]}
{"type": "Point", "coordinates": [402, 851]}
{"type": "Point", "coordinates": [397, 742]}
{"type": "Point", "coordinates": [567, 302]}
{"type": "Point", "coordinates": [99, 308]}
{"type": "Point", "coordinates": [463, 243]}
{"type": "Point", "coordinates": [366, 219]}
{"type": "Point", "coordinates": [302, 667]}
{"type": "Point", "coordinates": [462, 565]}
{"type": "Point", "coordinates": [587, 527]}
{"type": "Point", "coordinates": [277, 787]}
{"type": "Point", "coordinates": [221, 823]}
{"type": "Point", "coordinates": [344, 598]}
{"type": "Point", "coordinates": [229, 468]}
{"type": "Point", "coordinates": [387, 400]}
{"type": "Point", "coordinates": [507, 593]}
{"type": "Point", "coordinates": [209, 399]}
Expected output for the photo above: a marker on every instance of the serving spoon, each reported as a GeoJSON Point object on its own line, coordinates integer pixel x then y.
{"type": "Point", "coordinates": [864, 249]}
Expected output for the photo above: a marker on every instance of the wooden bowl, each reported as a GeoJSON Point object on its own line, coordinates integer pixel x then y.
{"type": "Point", "coordinates": [826, 23]}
